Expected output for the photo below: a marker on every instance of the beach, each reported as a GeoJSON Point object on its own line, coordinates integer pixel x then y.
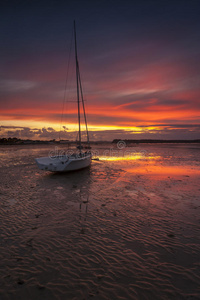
{"type": "Point", "coordinates": [127, 227]}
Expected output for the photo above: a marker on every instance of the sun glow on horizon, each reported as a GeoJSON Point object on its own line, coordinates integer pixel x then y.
{"type": "Point", "coordinates": [73, 126]}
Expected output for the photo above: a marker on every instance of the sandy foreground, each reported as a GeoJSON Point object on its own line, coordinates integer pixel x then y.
{"type": "Point", "coordinates": [121, 229]}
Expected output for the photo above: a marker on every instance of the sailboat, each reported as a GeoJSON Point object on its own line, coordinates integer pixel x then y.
{"type": "Point", "coordinates": [79, 159]}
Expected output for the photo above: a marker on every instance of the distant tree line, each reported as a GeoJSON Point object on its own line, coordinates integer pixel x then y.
{"type": "Point", "coordinates": [16, 141]}
{"type": "Point", "coordinates": [128, 141]}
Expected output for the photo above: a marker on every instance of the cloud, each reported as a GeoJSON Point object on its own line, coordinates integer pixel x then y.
{"type": "Point", "coordinates": [162, 131]}
{"type": "Point", "coordinates": [13, 127]}
{"type": "Point", "coordinates": [134, 71]}
{"type": "Point", "coordinates": [12, 86]}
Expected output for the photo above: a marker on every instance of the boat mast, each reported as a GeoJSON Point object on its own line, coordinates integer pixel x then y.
{"type": "Point", "coordinates": [83, 107]}
{"type": "Point", "coordinates": [77, 83]}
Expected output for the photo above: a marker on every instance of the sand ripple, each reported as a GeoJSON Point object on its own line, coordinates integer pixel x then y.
{"type": "Point", "coordinates": [105, 232]}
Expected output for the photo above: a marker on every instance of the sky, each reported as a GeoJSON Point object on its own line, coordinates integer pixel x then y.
{"type": "Point", "coordinates": [139, 64]}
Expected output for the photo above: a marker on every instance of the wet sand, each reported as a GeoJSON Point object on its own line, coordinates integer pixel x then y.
{"type": "Point", "coordinates": [121, 229]}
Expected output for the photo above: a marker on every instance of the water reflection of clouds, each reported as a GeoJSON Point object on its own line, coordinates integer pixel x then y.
{"type": "Point", "coordinates": [147, 163]}
{"type": "Point", "coordinates": [160, 170]}
{"type": "Point", "coordinates": [129, 157]}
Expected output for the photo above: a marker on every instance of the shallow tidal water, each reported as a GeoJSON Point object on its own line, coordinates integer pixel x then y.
{"type": "Point", "coordinates": [128, 227]}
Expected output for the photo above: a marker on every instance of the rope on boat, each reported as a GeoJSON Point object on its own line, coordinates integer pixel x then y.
{"type": "Point", "coordinates": [66, 83]}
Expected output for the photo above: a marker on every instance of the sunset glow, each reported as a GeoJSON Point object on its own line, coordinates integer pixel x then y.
{"type": "Point", "coordinates": [140, 78]}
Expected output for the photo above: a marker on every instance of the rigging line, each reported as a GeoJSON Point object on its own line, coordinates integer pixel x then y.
{"type": "Point", "coordinates": [83, 106]}
{"type": "Point", "coordinates": [66, 82]}
{"type": "Point", "coordinates": [77, 82]}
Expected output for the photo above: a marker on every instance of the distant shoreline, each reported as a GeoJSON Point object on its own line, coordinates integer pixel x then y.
{"type": "Point", "coordinates": [152, 141]}
{"type": "Point", "coordinates": [16, 141]}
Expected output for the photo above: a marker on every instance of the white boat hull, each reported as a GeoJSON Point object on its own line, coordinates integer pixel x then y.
{"type": "Point", "coordinates": [64, 163]}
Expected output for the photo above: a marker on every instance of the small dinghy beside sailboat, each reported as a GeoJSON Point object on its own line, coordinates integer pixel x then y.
{"type": "Point", "coordinates": [79, 159]}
